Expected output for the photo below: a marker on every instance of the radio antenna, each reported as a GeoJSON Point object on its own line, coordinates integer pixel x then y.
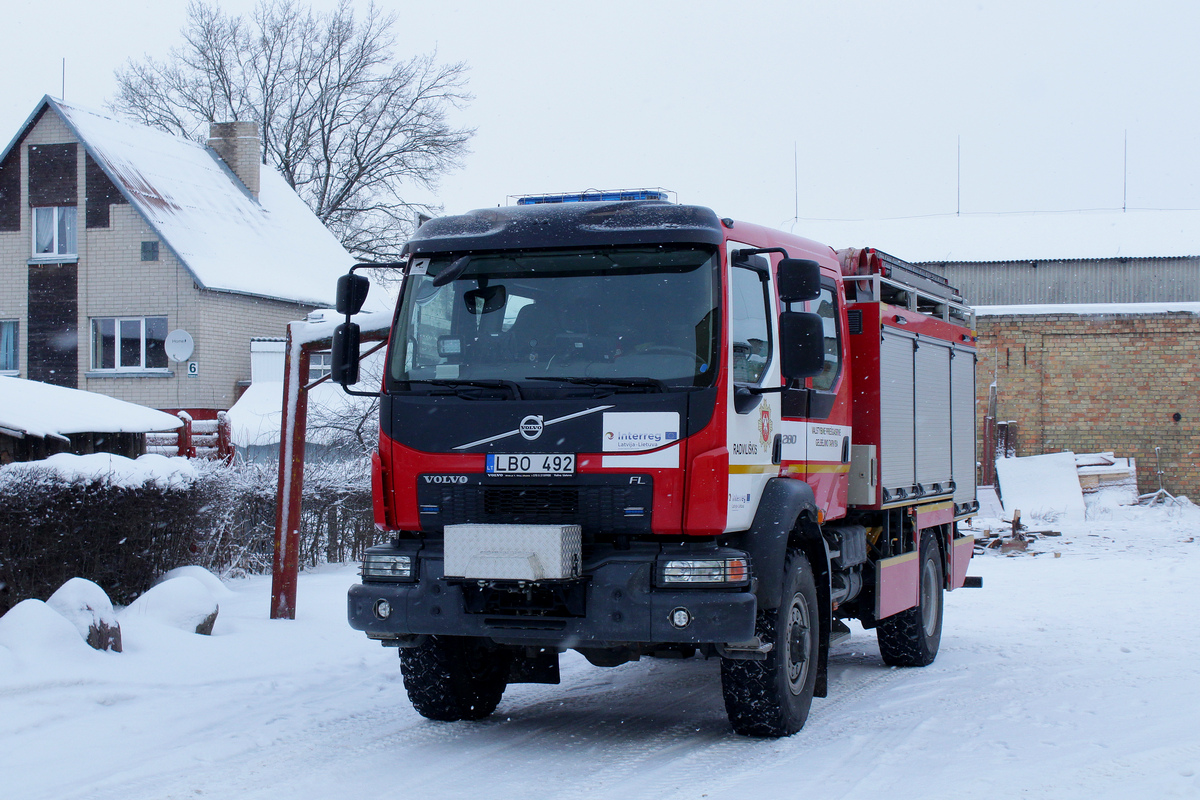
{"type": "Point", "coordinates": [796, 176]}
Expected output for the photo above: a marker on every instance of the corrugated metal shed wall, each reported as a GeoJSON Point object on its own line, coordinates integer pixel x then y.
{"type": "Point", "coordinates": [1131, 280]}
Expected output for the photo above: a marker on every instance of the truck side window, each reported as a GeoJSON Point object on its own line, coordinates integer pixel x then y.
{"type": "Point", "coordinates": [751, 326]}
{"type": "Point", "coordinates": [826, 309]}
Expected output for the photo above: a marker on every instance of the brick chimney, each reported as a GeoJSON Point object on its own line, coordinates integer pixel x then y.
{"type": "Point", "coordinates": [238, 146]}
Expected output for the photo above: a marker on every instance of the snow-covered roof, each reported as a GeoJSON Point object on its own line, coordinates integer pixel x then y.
{"type": "Point", "coordinates": [272, 246]}
{"type": "Point", "coordinates": [1088, 309]}
{"type": "Point", "coordinates": [256, 418]}
{"type": "Point", "coordinates": [40, 409]}
{"type": "Point", "coordinates": [1018, 237]}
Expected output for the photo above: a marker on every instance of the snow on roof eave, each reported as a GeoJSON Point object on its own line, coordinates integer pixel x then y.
{"type": "Point", "coordinates": [294, 301]}
{"type": "Point", "coordinates": [1089, 309]}
{"type": "Point", "coordinates": [30, 121]}
{"type": "Point", "coordinates": [1097, 259]}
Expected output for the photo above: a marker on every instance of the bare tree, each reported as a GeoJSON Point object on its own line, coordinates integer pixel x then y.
{"type": "Point", "coordinates": [347, 124]}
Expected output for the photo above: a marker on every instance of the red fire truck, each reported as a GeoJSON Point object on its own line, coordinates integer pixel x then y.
{"type": "Point", "coordinates": [628, 427]}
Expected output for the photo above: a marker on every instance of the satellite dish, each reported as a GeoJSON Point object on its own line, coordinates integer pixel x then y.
{"type": "Point", "coordinates": [179, 345]}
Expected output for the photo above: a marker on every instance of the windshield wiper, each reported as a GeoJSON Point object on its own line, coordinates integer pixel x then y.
{"type": "Point", "coordinates": [632, 383]}
{"type": "Point", "coordinates": [490, 383]}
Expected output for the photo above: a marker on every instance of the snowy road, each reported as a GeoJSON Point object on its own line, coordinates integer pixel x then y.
{"type": "Point", "coordinates": [1069, 677]}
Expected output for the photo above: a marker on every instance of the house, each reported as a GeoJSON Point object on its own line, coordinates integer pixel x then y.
{"type": "Point", "coordinates": [1088, 326]}
{"type": "Point", "coordinates": [140, 265]}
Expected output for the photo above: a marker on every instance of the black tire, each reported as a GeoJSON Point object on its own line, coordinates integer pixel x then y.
{"type": "Point", "coordinates": [450, 678]}
{"type": "Point", "coordinates": [912, 637]}
{"type": "Point", "coordinates": [771, 698]}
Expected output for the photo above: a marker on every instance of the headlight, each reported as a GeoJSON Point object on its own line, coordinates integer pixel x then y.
{"type": "Point", "coordinates": [387, 567]}
{"type": "Point", "coordinates": [707, 571]}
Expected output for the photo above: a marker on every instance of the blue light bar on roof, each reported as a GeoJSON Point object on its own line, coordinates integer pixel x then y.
{"type": "Point", "coordinates": [594, 195]}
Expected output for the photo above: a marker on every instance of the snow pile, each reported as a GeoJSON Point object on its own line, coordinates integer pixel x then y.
{"type": "Point", "coordinates": [34, 636]}
{"type": "Point", "coordinates": [181, 602]}
{"type": "Point", "coordinates": [85, 605]}
{"type": "Point", "coordinates": [168, 472]}
{"type": "Point", "coordinates": [210, 582]}
{"type": "Point", "coordinates": [1041, 487]}
{"type": "Point", "coordinates": [40, 409]}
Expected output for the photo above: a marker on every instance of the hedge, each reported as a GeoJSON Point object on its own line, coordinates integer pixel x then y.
{"type": "Point", "coordinates": [54, 528]}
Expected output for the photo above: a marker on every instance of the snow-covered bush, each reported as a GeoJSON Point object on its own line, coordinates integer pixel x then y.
{"type": "Point", "coordinates": [125, 525]}
{"type": "Point", "coordinates": [336, 521]}
{"type": "Point", "coordinates": [69, 517]}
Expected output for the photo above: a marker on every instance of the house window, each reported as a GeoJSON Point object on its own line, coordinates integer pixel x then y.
{"type": "Point", "coordinates": [319, 364]}
{"type": "Point", "coordinates": [129, 343]}
{"type": "Point", "coordinates": [54, 231]}
{"type": "Point", "coordinates": [8, 346]}
{"type": "Point", "coordinates": [149, 251]}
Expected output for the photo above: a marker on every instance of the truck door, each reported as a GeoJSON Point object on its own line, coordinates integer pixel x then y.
{"type": "Point", "coordinates": [753, 418]}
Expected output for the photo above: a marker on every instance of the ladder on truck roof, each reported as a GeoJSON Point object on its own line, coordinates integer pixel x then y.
{"type": "Point", "coordinates": [884, 278]}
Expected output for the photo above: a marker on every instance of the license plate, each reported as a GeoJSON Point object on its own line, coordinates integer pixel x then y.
{"type": "Point", "coordinates": [531, 464]}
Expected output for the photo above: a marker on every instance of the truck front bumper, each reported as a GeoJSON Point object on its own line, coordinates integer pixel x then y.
{"type": "Point", "coordinates": [622, 606]}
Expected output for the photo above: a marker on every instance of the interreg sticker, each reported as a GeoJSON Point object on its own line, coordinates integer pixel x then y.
{"type": "Point", "coordinates": [630, 431]}
{"type": "Point", "coordinates": [419, 266]}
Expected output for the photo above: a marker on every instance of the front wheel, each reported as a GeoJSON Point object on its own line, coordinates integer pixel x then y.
{"type": "Point", "coordinates": [450, 678]}
{"type": "Point", "coordinates": [911, 638]}
{"type": "Point", "coordinates": [772, 697]}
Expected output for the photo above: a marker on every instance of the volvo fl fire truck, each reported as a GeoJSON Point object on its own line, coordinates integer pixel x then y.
{"type": "Point", "coordinates": [631, 428]}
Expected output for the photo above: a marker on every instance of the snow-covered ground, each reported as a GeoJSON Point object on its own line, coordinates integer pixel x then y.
{"type": "Point", "coordinates": [1074, 673]}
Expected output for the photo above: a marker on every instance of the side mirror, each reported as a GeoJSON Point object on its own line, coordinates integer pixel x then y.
{"type": "Point", "coordinates": [343, 358]}
{"type": "Point", "coordinates": [799, 280]}
{"type": "Point", "coordinates": [801, 344]}
{"type": "Point", "coordinates": [352, 293]}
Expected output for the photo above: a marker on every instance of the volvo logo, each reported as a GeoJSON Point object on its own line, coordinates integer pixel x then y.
{"type": "Point", "coordinates": [445, 478]}
{"type": "Point", "coordinates": [531, 427]}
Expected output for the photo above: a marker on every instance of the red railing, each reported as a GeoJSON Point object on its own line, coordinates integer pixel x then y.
{"type": "Point", "coordinates": [196, 438]}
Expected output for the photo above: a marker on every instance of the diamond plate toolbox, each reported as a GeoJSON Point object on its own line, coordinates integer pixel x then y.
{"type": "Point", "coordinates": [513, 552]}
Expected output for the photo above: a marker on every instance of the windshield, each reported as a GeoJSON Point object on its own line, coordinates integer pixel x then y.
{"type": "Point", "coordinates": [637, 318]}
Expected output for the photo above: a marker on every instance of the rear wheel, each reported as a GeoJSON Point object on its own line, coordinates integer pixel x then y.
{"type": "Point", "coordinates": [912, 637]}
{"type": "Point", "coordinates": [772, 697]}
{"type": "Point", "coordinates": [451, 678]}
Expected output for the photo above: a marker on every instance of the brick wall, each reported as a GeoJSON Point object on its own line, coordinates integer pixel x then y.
{"type": "Point", "coordinates": [1092, 383]}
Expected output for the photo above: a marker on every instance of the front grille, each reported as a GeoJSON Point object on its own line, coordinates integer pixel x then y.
{"type": "Point", "coordinates": [608, 507]}
{"type": "Point", "coordinates": [530, 504]}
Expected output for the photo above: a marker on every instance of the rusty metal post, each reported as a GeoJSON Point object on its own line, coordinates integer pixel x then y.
{"type": "Point", "coordinates": [988, 470]}
{"type": "Point", "coordinates": [286, 563]}
{"type": "Point", "coordinates": [225, 449]}
{"type": "Point", "coordinates": [183, 446]}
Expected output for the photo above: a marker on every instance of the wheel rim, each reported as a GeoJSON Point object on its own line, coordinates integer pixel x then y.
{"type": "Point", "coordinates": [799, 635]}
{"type": "Point", "coordinates": [931, 597]}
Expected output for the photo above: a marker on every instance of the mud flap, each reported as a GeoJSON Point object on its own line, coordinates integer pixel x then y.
{"type": "Point", "coordinates": [534, 665]}
{"type": "Point", "coordinates": [897, 584]}
{"type": "Point", "coordinates": [961, 550]}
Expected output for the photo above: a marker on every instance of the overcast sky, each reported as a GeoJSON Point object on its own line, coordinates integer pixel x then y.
{"type": "Point", "coordinates": [763, 111]}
